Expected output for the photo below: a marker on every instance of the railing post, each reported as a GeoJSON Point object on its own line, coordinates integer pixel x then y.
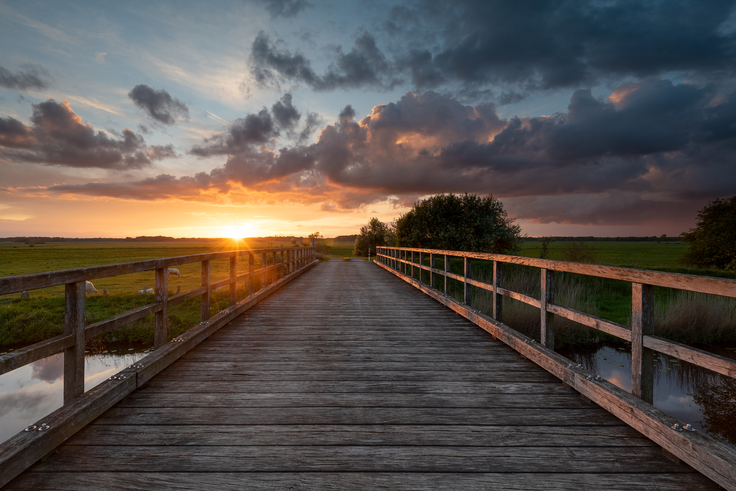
{"type": "Point", "coordinates": [412, 265]}
{"type": "Point", "coordinates": [205, 308]}
{"type": "Point", "coordinates": [497, 297]}
{"type": "Point", "coordinates": [447, 268]}
{"type": "Point", "coordinates": [251, 272]}
{"type": "Point", "coordinates": [466, 287]}
{"type": "Point", "coordinates": [160, 331]}
{"type": "Point", "coordinates": [233, 275]}
{"type": "Point", "coordinates": [74, 303]}
{"type": "Point", "coordinates": [431, 268]}
{"type": "Point", "coordinates": [421, 267]}
{"type": "Point", "coordinates": [547, 284]}
{"type": "Point", "coordinates": [264, 264]}
{"type": "Point", "coordinates": [642, 359]}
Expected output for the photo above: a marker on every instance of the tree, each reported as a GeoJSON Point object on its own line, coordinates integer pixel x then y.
{"type": "Point", "coordinates": [320, 243]}
{"type": "Point", "coordinates": [459, 222]}
{"type": "Point", "coordinates": [376, 233]}
{"type": "Point", "coordinates": [713, 240]}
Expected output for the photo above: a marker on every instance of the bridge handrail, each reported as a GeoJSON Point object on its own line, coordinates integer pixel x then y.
{"type": "Point", "coordinates": [80, 407]}
{"type": "Point", "coordinates": [702, 452]}
{"type": "Point", "coordinates": [76, 333]}
{"type": "Point", "coordinates": [642, 327]}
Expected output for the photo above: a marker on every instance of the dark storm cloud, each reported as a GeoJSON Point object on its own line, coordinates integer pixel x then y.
{"type": "Point", "coordinates": [284, 8]}
{"type": "Point", "coordinates": [254, 129]}
{"type": "Point", "coordinates": [57, 136]}
{"type": "Point", "coordinates": [363, 65]}
{"type": "Point", "coordinates": [33, 77]}
{"type": "Point", "coordinates": [284, 112]}
{"type": "Point", "coordinates": [158, 104]}
{"type": "Point", "coordinates": [518, 47]}
{"type": "Point", "coordinates": [662, 148]}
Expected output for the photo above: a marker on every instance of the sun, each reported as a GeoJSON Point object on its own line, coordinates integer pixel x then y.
{"type": "Point", "coordinates": [239, 231]}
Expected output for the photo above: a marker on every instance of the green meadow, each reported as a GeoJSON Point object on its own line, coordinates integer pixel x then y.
{"type": "Point", "coordinates": [681, 316]}
{"type": "Point", "coordinates": [25, 321]}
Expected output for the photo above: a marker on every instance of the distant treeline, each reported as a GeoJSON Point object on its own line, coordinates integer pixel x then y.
{"type": "Point", "coordinates": [142, 238]}
{"type": "Point", "coordinates": [653, 238]}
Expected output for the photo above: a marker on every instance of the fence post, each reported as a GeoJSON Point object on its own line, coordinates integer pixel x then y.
{"type": "Point", "coordinates": [205, 308]}
{"type": "Point", "coordinates": [466, 287]}
{"type": "Point", "coordinates": [233, 275]}
{"type": "Point", "coordinates": [431, 270]}
{"type": "Point", "coordinates": [264, 263]}
{"type": "Point", "coordinates": [547, 332]}
{"type": "Point", "coordinates": [421, 267]}
{"type": "Point", "coordinates": [74, 303]}
{"type": "Point", "coordinates": [447, 268]}
{"type": "Point", "coordinates": [642, 359]}
{"type": "Point", "coordinates": [412, 265]}
{"type": "Point", "coordinates": [160, 331]}
{"type": "Point", "coordinates": [251, 272]}
{"type": "Point", "coordinates": [497, 297]}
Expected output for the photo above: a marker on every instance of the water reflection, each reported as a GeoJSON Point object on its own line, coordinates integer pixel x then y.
{"type": "Point", "coordinates": [36, 390]}
{"type": "Point", "coordinates": [691, 394]}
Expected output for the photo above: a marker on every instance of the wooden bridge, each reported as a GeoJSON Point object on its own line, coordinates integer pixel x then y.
{"type": "Point", "coordinates": [349, 378]}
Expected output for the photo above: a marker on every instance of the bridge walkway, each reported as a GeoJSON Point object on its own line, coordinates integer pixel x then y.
{"type": "Point", "coordinates": [348, 378]}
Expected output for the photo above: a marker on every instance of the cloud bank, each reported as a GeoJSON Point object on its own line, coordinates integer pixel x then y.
{"type": "Point", "coordinates": [510, 49]}
{"type": "Point", "coordinates": [652, 151]}
{"type": "Point", "coordinates": [57, 136]}
{"type": "Point", "coordinates": [34, 77]}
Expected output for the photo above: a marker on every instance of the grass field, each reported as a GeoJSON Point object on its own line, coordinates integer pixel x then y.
{"type": "Point", "coordinates": [31, 320]}
{"type": "Point", "coordinates": [25, 321]}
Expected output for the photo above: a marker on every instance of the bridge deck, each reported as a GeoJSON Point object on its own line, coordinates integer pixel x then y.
{"type": "Point", "coordinates": [349, 378]}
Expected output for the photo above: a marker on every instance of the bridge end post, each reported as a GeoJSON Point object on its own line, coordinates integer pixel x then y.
{"type": "Point", "coordinates": [497, 297]}
{"type": "Point", "coordinates": [74, 305]}
{"type": "Point", "coordinates": [160, 332]}
{"type": "Point", "coordinates": [547, 332]}
{"type": "Point", "coordinates": [642, 359]}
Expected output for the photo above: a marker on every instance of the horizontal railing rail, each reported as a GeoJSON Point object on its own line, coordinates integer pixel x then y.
{"type": "Point", "coordinates": [722, 468]}
{"type": "Point", "coordinates": [277, 267]}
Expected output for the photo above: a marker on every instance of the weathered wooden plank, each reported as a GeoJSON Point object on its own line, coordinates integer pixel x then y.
{"type": "Point", "coordinates": [434, 435]}
{"type": "Point", "coordinates": [358, 415]}
{"type": "Point", "coordinates": [339, 481]}
{"type": "Point", "coordinates": [719, 364]}
{"type": "Point", "coordinates": [35, 352]}
{"type": "Point", "coordinates": [388, 386]}
{"type": "Point", "coordinates": [358, 459]}
{"type": "Point", "coordinates": [161, 397]}
{"type": "Point", "coordinates": [112, 323]}
{"type": "Point", "coordinates": [602, 325]}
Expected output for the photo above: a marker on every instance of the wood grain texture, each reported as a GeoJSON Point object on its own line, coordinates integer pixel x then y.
{"type": "Point", "coordinates": [350, 379]}
{"type": "Point", "coordinates": [705, 454]}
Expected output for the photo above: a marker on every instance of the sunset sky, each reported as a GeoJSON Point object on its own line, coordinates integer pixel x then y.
{"type": "Point", "coordinates": [286, 117]}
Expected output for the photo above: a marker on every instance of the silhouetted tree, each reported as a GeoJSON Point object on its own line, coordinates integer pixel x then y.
{"type": "Point", "coordinates": [459, 222]}
{"type": "Point", "coordinates": [713, 240]}
{"type": "Point", "coordinates": [376, 233]}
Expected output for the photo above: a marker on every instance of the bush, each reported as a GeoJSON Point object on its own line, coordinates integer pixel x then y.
{"type": "Point", "coordinates": [459, 223]}
{"type": "Point", "coordinates": [376, 233]}
{"type": "Point", "coordinates": [713, 240]}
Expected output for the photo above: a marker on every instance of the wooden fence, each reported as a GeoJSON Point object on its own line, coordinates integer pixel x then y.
{"type": "Point", "coordinates": [715, 460]}
{"type": "Point", "coordinates": [278, 267]}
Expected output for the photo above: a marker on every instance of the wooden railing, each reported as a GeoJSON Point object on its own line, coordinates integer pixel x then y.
{"type": "Point", "coordinates": [700, 451]}
{"type": "Point", "coordinates": [278, 266]}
